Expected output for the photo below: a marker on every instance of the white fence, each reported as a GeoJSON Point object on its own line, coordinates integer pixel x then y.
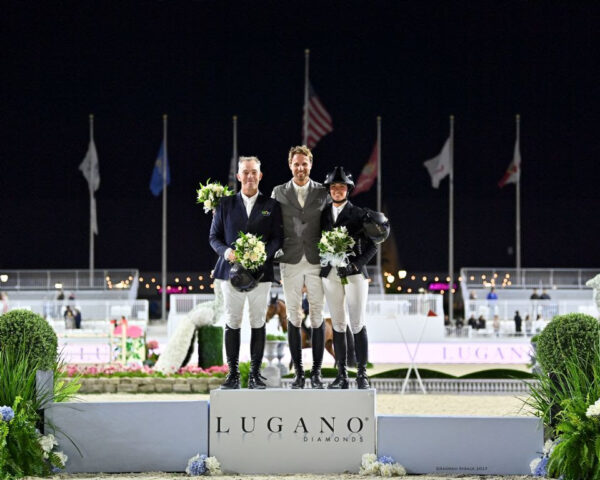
{"type": "Point", "coordinates": [527, 278]}
{"type": "Point", "coordinates": [91, 310]}
{"type": "Point", "coordinates": [505, 309]}
{"type": "Point", "coordinates": [101, 279]}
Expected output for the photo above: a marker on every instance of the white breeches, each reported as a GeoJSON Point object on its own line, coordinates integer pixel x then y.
{"type": "Point", "coordinates": [258, 299]}
{"type": "Point", "coordinates": [294, 276]}
{"type": "Point", "coordinates": [346, 301]}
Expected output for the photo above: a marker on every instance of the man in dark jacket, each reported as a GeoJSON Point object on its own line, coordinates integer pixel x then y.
{"type": "Point", "coordinates": [249, 212]}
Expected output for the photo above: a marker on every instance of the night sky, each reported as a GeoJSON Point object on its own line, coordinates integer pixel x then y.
{"type": "Point", "coordinates": [201, 62]}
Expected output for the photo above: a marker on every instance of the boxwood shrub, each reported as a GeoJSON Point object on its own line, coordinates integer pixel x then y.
{"type": "Point", "coordinates": [22, 331]}
{"type": "Point", "coordinates": [570, 336]}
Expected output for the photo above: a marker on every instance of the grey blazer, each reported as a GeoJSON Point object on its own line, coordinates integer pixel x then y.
{"type": "Point", "coordinates": [301, 226]}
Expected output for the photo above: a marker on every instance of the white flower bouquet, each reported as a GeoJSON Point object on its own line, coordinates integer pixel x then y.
{"type": "Point", "coordinates": [203, 465]}
{"type": "Point", "coordinates": [250, 251]}
{"type": "Point", "coordinates": [211, 193]}
{"type": "Point", "coordinates": [593, 410]}
{"type": "Point", "coordinates": [384, 466]}
{"type": "Point", "coordinates": [335, 247]}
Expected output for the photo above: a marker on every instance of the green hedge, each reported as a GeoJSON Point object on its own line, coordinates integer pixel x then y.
{"type": "Point", "coordinates": [210, 346]}
{"type": "Point", "coordinates": [27, 332]}
{"type": "Point", "coordinates": [570, 336]}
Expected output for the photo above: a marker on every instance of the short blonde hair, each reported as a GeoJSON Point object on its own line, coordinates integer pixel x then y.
{"type": "Point", "coordinates": [302, 150]}
{"type": "Point", "coordinates": [243, 160]}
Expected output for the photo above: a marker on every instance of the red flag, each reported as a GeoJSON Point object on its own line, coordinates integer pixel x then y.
{"type": "Point", "coordinates": [368, 174]}
{"type": "Point", "coordinates": [319, 120]}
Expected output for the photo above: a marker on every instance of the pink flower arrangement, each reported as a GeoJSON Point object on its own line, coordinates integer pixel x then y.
{"type": "Point", "coordinates": [152, 344]}
{"type": "Point", "coordinates": [109, 369]}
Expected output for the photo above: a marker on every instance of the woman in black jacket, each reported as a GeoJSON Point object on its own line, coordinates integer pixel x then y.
{"type": "Point", "coordinates": [341, 212]}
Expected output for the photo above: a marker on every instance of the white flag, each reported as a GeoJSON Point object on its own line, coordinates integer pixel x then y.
{"type": "Point", "coordinates": [89, 167]}
{"type": "Point", "coordinates": [439, 166]}
{"type": "Point", "coordinates": [513, 172]}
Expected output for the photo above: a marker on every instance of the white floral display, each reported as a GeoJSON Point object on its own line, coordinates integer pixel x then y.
{"type": "Point", "coordinates": [384, 466]}
{"type": "Point", "coordinates": [593, 410]}
{"type": "Point", "coordinates": [250, 251]}
{"type": "Point", "coordinates": [335, 248]}
{"type": "Point", "coordinates": [210, 194]}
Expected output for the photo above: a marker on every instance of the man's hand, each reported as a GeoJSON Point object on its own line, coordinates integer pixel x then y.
{"type": "Point", "coordinates": [231, 256]}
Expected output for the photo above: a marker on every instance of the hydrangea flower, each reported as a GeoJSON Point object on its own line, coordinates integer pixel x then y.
{"type": "Point", "coordinates": [196, 465]}
{"type": "Point", "coordinates": [385, 459]}
{"type": "Point", "coordinates": [6, 414]}
{"type": "Point", "coordinates": [47, 442]}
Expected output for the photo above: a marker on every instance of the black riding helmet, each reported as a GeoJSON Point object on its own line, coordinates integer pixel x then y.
{"type": "Point", "coordinates": [376, 225]}
{"type": "Point", "coordinates": [242, 279]}
{"type": "Point", "coordinates": [339, 175]}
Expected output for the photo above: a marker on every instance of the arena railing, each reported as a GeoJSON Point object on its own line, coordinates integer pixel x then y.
{"type": "Point", "coordinates": [52, 280]}
{"type": "Point", "coordinates": [526, 278]}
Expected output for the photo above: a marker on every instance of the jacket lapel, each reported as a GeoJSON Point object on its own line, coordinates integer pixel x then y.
{"type": "Point", "coordinates": [290, 193]}
{"type": "Point", "coordinates": [257, 208]}
{"type": "Point", "coordinates": [240, 208]}
{"type": "Point", "coordinates": [343, 215]}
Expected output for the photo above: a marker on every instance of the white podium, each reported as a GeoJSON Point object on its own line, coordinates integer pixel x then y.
{"type": "Point", "coordinates": [291, 431]}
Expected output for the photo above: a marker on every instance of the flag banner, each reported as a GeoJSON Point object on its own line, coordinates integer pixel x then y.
{"type": "Point", "coordinates": [156, 182]}
{"type": "Point", "coordinates": [89, 167]}
{"type": "Point", "coordinates": [368, 175]}
{"type": "Point", "coordinates": [513, 173]}
{"type": "Point", "coordinates": [233, 168]}
{"type": "Point", "coordinates": [439, 166]}
{"type": "Point", "coordinates": [319, 121]}
{"type": "Point", "coordinates": [94, 217]}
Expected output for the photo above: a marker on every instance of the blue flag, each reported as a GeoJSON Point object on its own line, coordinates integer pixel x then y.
{"type": "Point", "coordinates": [156, 182]}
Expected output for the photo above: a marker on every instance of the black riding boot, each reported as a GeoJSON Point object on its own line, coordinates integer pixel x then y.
{"type": "Point", "coordinates": [295, 343]}
{"type": "Point", "coordinates": [318, 347]}
{"type": "Point", "coordinates": [361, 343]}
{"type": "Point", "coordinates": [232, 350]}
{"type": "Point", "coordinates": [257, 350]}
{"type": "Point", "coordinates": [339, 345]}
{"type": "Point", "coordinates": [350, 349]}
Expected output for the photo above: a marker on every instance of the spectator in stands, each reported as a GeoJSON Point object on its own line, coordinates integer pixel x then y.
{"type": "Point", "coordinates": [72, 296]}
{"type": "Point", "coordinates": [472, 322]}
{"type": "Point", "coordinates": [459, 325]}
{"type": "Point", "coordinates": [77, 314]}
{"type": "Point", "coordinates": [518, 321]}
{"type": "Point", "coordinates": [534, 295]}
{"type": "Point", "coordinates": [4, 300]}
{"type": "Point", "coordinates": [69, 317]}
{"type": "Point", "coordinates": [496, 325]}
{"type": "Point", "coordinates": [481, 323]}
{"type": "Point", "coordinates": [492, 295]}
{"type": "Point", "coordinates": [544, 295]}
{"type": "Point", "coordinates": [528, 325]}
{"type": "Point", "coordinates": [472, 295]}
{"type": "Point", "coordinates": [60, 295]}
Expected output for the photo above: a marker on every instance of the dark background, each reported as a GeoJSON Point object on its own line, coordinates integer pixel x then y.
{"type": "Point", "coordinates": [201, 62]}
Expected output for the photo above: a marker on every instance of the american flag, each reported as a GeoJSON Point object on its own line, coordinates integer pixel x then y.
{"type": "Point", "coordinates": [319, 121]}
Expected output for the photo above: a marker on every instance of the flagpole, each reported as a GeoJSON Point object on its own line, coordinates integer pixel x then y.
{"type": "Point", "coordinates": [451, 227]}
{"type": "Point", "coordinates": [91, 188]}
{"type": "Point", "coordinates": [518, 202]}
{"type": "Point", "coordinates": [164, 222]}
{"type": "Point", "coordinates": [379, 273]}
{"type": "Point", "coordinates": [235, 149]}
{"type": "Point", "coordinates": [305, 126]}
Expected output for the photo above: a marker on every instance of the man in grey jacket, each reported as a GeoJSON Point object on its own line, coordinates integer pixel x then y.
{"type": "Point", "coordinates": [302, 201]}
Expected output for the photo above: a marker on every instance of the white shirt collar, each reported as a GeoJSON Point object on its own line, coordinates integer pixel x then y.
{"type": "Point", "coordinates": [341, 207]}
{"type": "Point", "coordinates": [300, 188]}
{"type": "Point", "coordinates": [251, 199]}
